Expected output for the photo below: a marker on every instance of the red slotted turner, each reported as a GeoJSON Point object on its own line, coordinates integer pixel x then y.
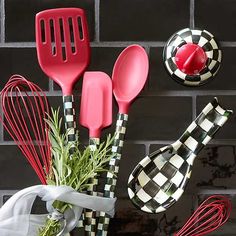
{"type": "Point", "coordinates": [96, 114]}
{"type": "Point", "coordinates": [63, 53]}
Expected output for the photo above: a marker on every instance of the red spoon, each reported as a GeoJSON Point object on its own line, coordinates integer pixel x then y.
{"type": "Point", "coordinates": [129, 76]}
{"type": "Point", "coordinates": [63, 53]}
{"type": "Point", "coordinates": [95, 114]}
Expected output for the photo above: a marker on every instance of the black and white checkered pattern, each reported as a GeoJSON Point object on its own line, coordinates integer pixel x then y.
{"type": "Point", "coordinates": [90, 216]}
{"type": "Point", "coordinates": [69, 114]}
{"type": "Point", "coordinates": [111, 178]}
{"type": "Point", "coordinates": [159, 180]}
{"type": "Point", "coordinates": [70, 125]}
{"type": "Point", "coordinates": [205, 40]}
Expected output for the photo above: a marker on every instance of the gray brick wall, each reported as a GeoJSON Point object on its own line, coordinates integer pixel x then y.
{"type": "Point", "coordinates": [161, 112]}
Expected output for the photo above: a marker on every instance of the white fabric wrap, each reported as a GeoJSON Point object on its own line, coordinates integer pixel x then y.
{"type": "Point", "coordinates": [16, 220]}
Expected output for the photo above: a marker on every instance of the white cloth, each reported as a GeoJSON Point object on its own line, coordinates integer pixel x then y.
{"type": "Point", "coordinates": [16, 220]}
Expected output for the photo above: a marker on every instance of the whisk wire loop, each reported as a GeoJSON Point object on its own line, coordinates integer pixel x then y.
{"type": "Point", "coordinates": [209, 216]}
{"type": "Point", "coordinates": [25, 108]}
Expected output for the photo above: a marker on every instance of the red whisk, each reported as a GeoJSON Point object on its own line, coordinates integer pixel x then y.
{"type": "Point", "coordinates": [25, 108]}
{"type": "Point", "coordinates": [209, 216]}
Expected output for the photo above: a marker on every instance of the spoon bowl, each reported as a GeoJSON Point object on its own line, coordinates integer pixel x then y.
{"type": "Point", "coordinates": [129, 75]}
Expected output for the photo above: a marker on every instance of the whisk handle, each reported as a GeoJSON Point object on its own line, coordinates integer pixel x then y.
{"type": "Point", "coordinates": [69, 114]}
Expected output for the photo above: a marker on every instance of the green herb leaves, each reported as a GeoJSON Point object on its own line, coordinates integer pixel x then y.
{"type": "Point", "coordinates": [75, 169]}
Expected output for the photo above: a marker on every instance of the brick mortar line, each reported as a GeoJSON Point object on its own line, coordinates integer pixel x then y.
{"type": "Point", "coordinates": [216, 191]}
{"type": "Point", "coordinates": [174, 93]}
{"type": "Point", "coordinates": [147, 148]}
{"type": "Point", "coordinates": [147, 86]}
{"type": "Point", "coordinates": [227, 43]}
{"type": "Point", "coordinates": [110, 44]}
{"type": "Point", "coordinates": [2, 9]}
{"type": "Point", "coordinates": [50, 86]}
{"type": "Point", "coordinates": [194, 107]}
{"type": "Point", "coordinates": [192, 16]}
{"type": "Point", "coordinates": [147, 143]}
{"type": "Point", "coordinates": [185, 93]}
{"type": "Point", "coordinates": [97, 20]}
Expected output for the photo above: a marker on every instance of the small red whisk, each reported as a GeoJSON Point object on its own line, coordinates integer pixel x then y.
{"type": "Point", "coordinates": [209, 216]}
{"type": "Point", "coordinates": [25, 108]}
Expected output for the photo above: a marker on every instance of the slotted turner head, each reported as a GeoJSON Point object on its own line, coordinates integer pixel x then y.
{"type": "Point", "coordinates": [62, 45]}
{"type": "Point", "coordinates": [96, 102]}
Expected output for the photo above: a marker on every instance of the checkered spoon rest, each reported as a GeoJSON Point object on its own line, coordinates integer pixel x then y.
{"type": "Point", "coordinates": [159, 180]}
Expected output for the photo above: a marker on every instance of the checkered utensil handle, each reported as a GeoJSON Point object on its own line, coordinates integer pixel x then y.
{"type": "Point", "coordinates": [70, 124]}
{"type": "Point", "coordinates": [159, 180]}
{"type": "Point", "coordinates": [90, 215]}
{"type": "Point", "coordinates": [111, 178]}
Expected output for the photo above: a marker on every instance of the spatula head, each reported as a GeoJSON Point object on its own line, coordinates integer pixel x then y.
{"type": "Point", "coordinates": [96, 102]}
{"type": "Point", "coordinates": [62, 45]}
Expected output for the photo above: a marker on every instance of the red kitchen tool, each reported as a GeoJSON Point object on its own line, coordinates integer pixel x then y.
{"type": "Point", "coordinates": [129, 76]}
{"type": "Point", "coordinates": [96, 103]}
{"type": "Point", "coordinates": [63, 53]}
{"type": "Point", "coordinates": [209, 216]}
{"type": "Point", "coordinates": [95, 114]}
{"type": "Point", "coordinates": [25, 109]}
{"type": "Point", "coordinates": [192, 57]}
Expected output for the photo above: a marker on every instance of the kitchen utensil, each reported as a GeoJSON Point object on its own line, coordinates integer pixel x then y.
{"type": "Point", "coordinates": [95, 114]}
{"type": "Point", "coordinates": [25, 109]}
{"type": "Point", "coordinates": [192, 56]}
{"type": "Point", "coordinates": [159, 180]}
{"type": "Point", "coordinates": [96, 103]}
{"type": "Point", "coordinates": [129, 76]}
{"type": "Point", "coordinates": [63, 53]}
{"type": "Point", "coordinates": [209, 216]}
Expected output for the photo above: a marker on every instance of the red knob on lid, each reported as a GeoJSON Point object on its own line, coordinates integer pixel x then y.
{"type": "Point", "coordinates": [190, 58]}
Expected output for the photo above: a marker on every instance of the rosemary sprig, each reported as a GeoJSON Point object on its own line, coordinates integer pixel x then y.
{"type": "Point", "coordinates": [73, 170]}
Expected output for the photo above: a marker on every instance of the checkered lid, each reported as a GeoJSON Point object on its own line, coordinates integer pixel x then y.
{"type": "Point", "coordinates": [159, 180]}
{"type": "Point", "coordinates": [206, 41]}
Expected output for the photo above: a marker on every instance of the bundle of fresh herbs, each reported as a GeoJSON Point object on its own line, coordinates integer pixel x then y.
{"type": "Point", "coordinates": [74, 170]}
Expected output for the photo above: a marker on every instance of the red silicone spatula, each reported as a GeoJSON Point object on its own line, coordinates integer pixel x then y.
{"type": "Point", "coordinates": [96, 102]}
{"type": "Point", "coordinates": [95, 114]}
{"type": "Point", "coordinates": [63, 52]}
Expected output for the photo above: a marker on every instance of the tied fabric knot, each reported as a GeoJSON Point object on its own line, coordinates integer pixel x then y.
{"type": "Point", "coordinates": [16, 220]}
{"type": "Point", "coordinates": [56, 215]}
